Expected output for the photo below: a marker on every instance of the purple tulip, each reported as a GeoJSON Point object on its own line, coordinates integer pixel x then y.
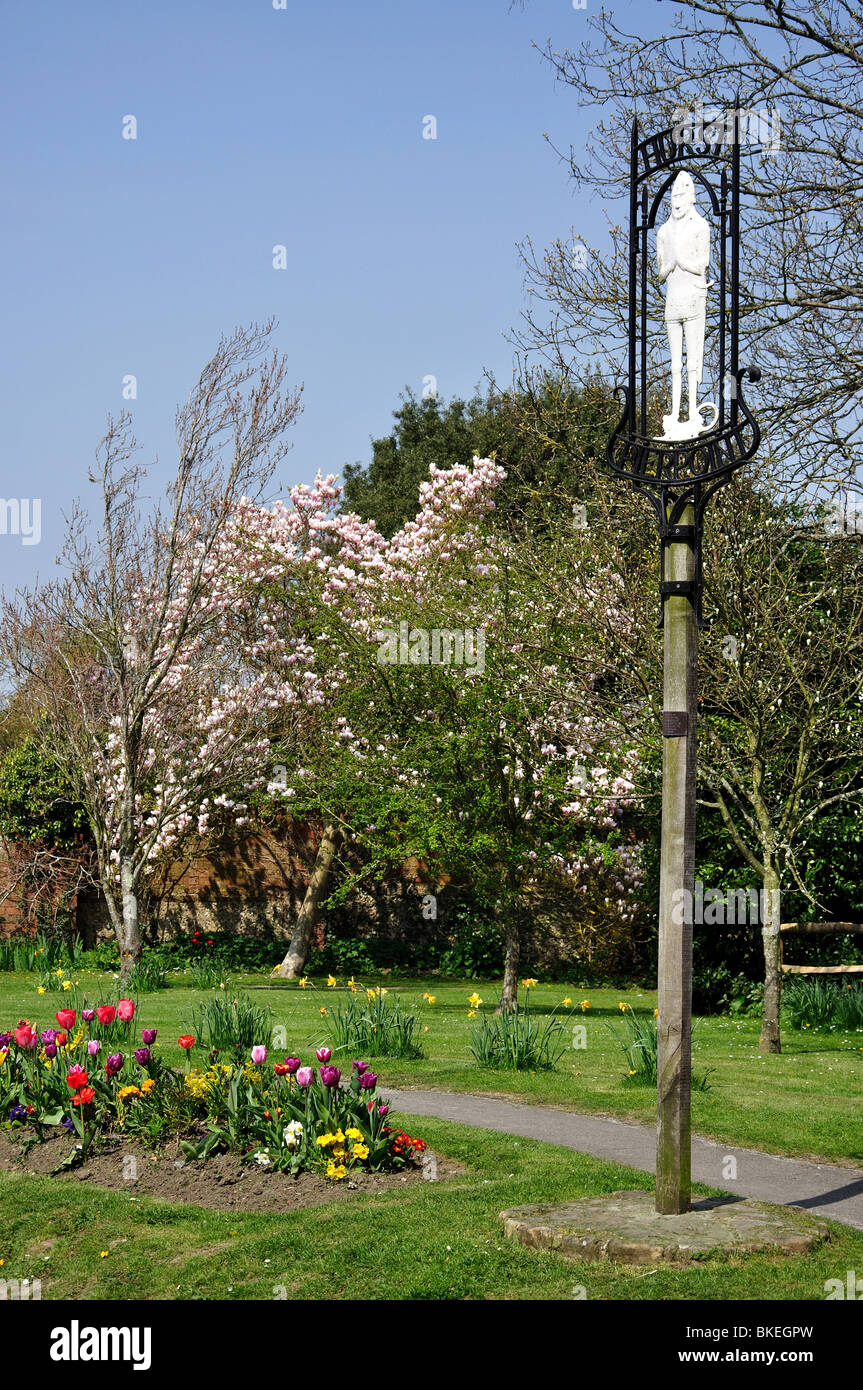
{"type": "Point", "coordinates": [383, 1110]}
{"type": "Point", "coordinates": [50, 1049]}
{"type": "Point", "coordinates": [114, 1063]}
{"type": "Point", "coordinates": [148, 1036]}
{"type": "Point", "coordinates": [305, 1076]}
{"type": "Point", "coordinates": [142, 1056]}
{"type": "Point", "coordinates": [293, 1065]}
{"type": "Point", "coordinates": [330, 1076]}
{"type": "Point", "coordinates": [368, 1081]}
{"type": "Point", "coordinates": [5, 1039]}
{"type": "Point", "coordinates": [93, 1047]}
{"type": "Point", "coordinates": [323, 1054]}
{"type": "Point", "coordinates": [49, 1036]}
{"type": "Point", "coordinates": [259, 1055]}
{"type": "Point", "coordinates": [88, 1015]}
{"type": "Point", "coordinates": [361, 1067]}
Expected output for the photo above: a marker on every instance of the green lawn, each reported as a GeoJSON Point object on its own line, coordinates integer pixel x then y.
{"type": "Point", "coordinates": [428, 1241]}
{"type": "Point", "coordinates": [804, 1101]}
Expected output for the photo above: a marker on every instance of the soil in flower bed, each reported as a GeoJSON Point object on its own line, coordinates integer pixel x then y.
{"type": "Point", "coordinates": [221, 1183]}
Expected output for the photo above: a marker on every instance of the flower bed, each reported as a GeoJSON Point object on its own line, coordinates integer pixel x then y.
{"type": "Point", "coordinates": [91, 1078]}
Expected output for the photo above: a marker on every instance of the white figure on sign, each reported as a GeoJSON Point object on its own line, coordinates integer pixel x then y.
{"type": "Point", "coordinates": [683, 255]}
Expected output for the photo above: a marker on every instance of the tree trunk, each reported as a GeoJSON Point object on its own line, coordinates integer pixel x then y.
{"type": "Point", "coordinates": [298, 951]}
{"type": "Point", "coordinates": [509, 991]}
{"type": "Point", "coordinates": [770, 919]}
{"type": "Point", "coordinates": [129, 936]}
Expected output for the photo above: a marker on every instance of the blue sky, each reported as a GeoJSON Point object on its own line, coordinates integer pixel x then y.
{"type": "Point", "coordinates": [257, 127]}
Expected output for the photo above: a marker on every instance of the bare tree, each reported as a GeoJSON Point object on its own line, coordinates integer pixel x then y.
{"type": "Point", "coordinates": [133, 663]}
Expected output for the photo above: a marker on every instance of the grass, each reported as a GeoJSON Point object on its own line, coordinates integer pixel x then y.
{"type": "Point", "coordinates": [427, 1242]}
{"type": "Point", "coordinates": [805, 1101]}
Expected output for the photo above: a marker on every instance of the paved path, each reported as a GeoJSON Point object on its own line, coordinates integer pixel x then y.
{"type": "Point", "coordinates": [824, 1188]}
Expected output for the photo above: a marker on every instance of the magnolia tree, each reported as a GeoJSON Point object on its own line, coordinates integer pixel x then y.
{"type": "Point", "coordinates": [323, 576]}
{"type": "Point", "coordinates": [780, 675]}
{"type": "Point", "coordinates": [434, 740]}
{"type": "Point", "coordinates": [138, 664]}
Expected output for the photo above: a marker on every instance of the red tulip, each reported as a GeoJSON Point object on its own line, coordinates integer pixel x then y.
{"type": "Point", "coordinates": [125, 1010]}
{"type": "Point", "coordinates": [75, 1079]}
{"type": "Point", "coordinates": [25, 1036]}
{"type": "Point", "coordinates": [186, 1041]}
{"type": "Point", "coordinates": [84, 1097]}
{"type": "Point", "coordinates": [66, 1018]}
{"type": "Point", "coordinates": [105, 1013]}
{"type": "Point", "coordinates": [61, 1039]}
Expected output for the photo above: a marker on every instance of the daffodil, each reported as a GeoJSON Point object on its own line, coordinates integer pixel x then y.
{"type": "Point", "coordinates": [471, 1013]}
{"type": "Point", "coordinates": [331, 982]}
{"type": "Point", "coordinates": [623, 1007]}
{"type": "Point", "coordinates": [304, 983]}
{"type": "Point", "coordinates": [474, 1000]}
{"type": "Point", "coordinates": [322, 1012]}
{"type": "Point", "coordinates": [567, 1003]}
{"type": "Point", "coordinates": [41, 989]}
{"type": "Point", "coordinates": [585, 1005]}
{"type": "Point", "coordinates": [529, 983]}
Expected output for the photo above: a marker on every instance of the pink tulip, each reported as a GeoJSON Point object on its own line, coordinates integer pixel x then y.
{"type": "Point", "coordinates": [93, 1047]}
{"type": "Point", "coordinates": [305, 1076]}
{"type": "Point", "coordinates": [259, 1055]}
{"type": "Point", "coordinates": [323, 1054]}
{"type": "Point", "coordinates": [125, 1010]}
